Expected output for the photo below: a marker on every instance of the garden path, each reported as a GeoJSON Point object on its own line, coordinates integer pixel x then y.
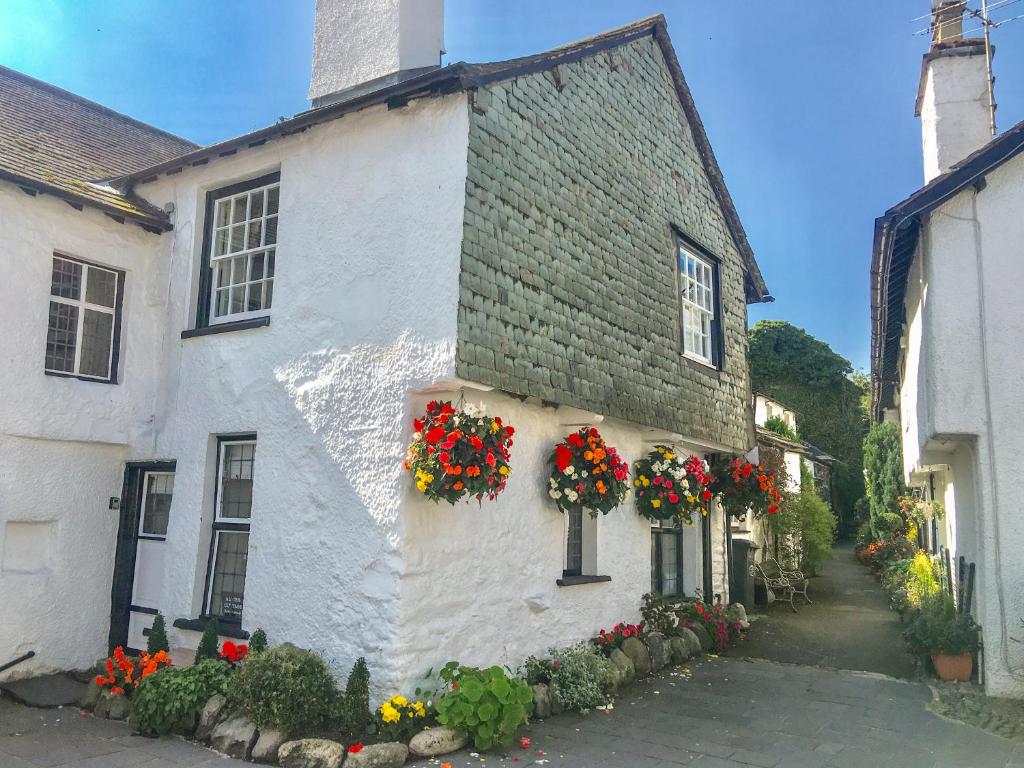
{"type": "Point", "coordinates": [849, 625]}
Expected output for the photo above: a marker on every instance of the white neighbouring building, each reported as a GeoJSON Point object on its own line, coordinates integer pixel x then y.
{"type": "Point", "coordinates": [947, 356]}
{"type": "Point", "coordinates": [214, 354]}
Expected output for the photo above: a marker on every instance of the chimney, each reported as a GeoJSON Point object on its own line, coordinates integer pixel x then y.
{"type": "Point", "coordinates": [360, 40]}
{"type": "Point", "coordinates": [953, 95]}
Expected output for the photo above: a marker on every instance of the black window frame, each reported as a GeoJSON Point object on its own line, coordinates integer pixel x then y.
{"type": "Point", "coordinates": [206, 268]}
{"type": "Point", "coordinates": [574, 554]}
{"type": "Point", "coordinates": [219, 526]}
{"type": "Point", "coordinates": [658, 533]}
{"type": "Point", "coordinates": [115, 340]}
{"type": "Point", "coordinates": [684, 241]}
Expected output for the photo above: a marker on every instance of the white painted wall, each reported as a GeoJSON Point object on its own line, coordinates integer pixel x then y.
{"type": "Point", "coordinates": [959, 402]}
{"type": "Point", "coordinates": [63, 441]}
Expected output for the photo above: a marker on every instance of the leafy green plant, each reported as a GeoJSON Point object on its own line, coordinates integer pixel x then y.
{"type": "Point", "coordinates": [894, 582]}
{"type": "Point", "coordinates": [659, 615]}
{"type": "Point", "coordinates": [209, 645]}
{"type": "Point", "coordinates": [258, 641]}
{"type": "Point", "coordinates": [354, 714]}
{"type": "Point", "coordinates": [487, 705]}
{"type": "Point", "coordinates": [939, 629]}
{"type": "Point", "coordinates": [538, 671]}
{"type": "Point", "coordinates": [285, 688]}
{"type": "Point", "coordinates": [778, 425]}
{"type": "Point", "coordinates": [171, 697]}
{"type": "Point", "coordinates": [157, 639]}
{"type": "Point", "coordinates": [922, 580]}
{"type": "Point", "coordinates": [581, 677]}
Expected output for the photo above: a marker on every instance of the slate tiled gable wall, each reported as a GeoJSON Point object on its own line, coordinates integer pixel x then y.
{"type": "Point", "coordinates": [568, 281]}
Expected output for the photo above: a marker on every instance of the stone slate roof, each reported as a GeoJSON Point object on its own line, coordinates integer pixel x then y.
{"type": "Point", "coordinates": [896, 237]}
{"type": "Point", "coordinates": [398, 88]}
{"type": "Point", "coordinates": [57, 143]}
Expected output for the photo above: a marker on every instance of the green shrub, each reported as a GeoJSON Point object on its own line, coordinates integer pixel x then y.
{"type": "Point", "coordinates": [804, 526]}
{"type": "Point", "coordinates": [285, 688]}
{"type": "Point", "coordinates": [258, 641]}
{"type": "Point", "coordinates": [938, 628]}
{"type": "Point", "coordinates": [208, 643]}
{"type": "Point", "coordinates": [883, 467]}
{"type": "Point", "coordinates": [487, 705]}
{"type": "Point", "coordinates": [894, 582]}
{"type": "Point", "coordinates": [581, 677]}
{"type": "Point", "coordinates": [922, 580]}
{"type": "Point", "coordinates": [658, 615]}
{"type": "Point", "coordinates": [538, 671]}
{"type": "Point", "coordinates": [354, 714]}
{"type": "Point", "coordinates": [157, 640]}
{"type": "Point", "coordinates": [778, 425]}
{"type": "Point", "coordinates": [172, 696]}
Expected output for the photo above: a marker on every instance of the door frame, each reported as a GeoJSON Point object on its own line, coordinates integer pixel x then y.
{"type": "Point", "coordinates": [127, 544]}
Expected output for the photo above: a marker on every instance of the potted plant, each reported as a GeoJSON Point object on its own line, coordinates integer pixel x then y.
{"type": "Point", "coordinates": [949, 638]}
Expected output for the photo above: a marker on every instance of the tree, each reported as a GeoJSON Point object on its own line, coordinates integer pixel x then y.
{"type": "Point", "coordinates": [355, 712]}
{"type": "Point", "coordinates": [804, 373]}
{"type": "Point", "coordinates": [883, 468]}
{"type": "Point", "coordinates": [209, 643]}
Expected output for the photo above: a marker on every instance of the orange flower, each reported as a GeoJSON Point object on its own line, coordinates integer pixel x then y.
{"type": "Point", "coordinates": [599, 455]}
{"type": "Point", "coordinates": [588, 455]}
{"type": "Point", "coordinates": [601, 487]}
{"type": "Point", "coordinates": [458, 486]}
{"type": "Point", "coordinates": [117, 690]}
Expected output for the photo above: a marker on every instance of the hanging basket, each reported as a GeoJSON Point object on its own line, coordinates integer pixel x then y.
{"type": "Point", "coordinates": [671, 487]}
{"type": "Point", "coordinates": [746, 488]}
{"type": "Point", "coordinates": [459, 454]}
{"type": "Point", "coordinates": [587, 474]}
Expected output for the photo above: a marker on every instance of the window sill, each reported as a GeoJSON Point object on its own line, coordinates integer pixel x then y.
{"type": "Point", "coordinates": [238, 325]}
{"type": "Point", "coordinates": [708, 369]}
{"type": "Point", "coordinates": [93, 379]}
{"type": "Point", "coordinates": [572, 581]}
{"type": "Point", "coordinates": [224, 628]}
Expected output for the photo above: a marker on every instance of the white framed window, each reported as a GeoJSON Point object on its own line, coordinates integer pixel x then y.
{"type": "Point", "coordinates": [241, 251]}
{"type": "Point", "coordinates": [82, 335]}
{"type": "Point", "coordinates": [229, 548]}
{"type": "Point", "coordinates": [699, 306]}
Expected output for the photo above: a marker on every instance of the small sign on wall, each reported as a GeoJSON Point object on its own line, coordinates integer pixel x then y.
{"type": "Point", "coordinates": [114, 503]}
{"type": "Point", "coordinates": [231, 605]}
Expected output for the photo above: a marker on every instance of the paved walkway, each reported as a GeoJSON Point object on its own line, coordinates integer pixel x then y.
{"type": "Point", "coordinates": [849, 625]}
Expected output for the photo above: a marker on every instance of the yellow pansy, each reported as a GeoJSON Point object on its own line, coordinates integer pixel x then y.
{"type": "Point", "coordinates": [655, 503]}
{"type": "Point", "coordinates": [389, 714]}
{"type": "Point", "coordinates": [419, 709]}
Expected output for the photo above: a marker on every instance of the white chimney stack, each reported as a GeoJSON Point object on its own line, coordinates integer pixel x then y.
{"type": "Point", "coordinates": [953, 97]}
{"type": "Point", "coordinates": [360, 40]}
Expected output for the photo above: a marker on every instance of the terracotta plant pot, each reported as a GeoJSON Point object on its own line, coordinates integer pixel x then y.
{"type": "Point", "coordinates": [954, 668]}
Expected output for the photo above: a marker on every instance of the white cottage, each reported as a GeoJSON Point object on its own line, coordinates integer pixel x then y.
{"type": "Point", "coordinates": [214, 354]}
{"type": "Point", "coordinates": [946, 352]}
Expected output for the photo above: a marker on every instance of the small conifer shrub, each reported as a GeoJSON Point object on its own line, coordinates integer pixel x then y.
{"type": "Point", "coordinates": [209, 647]}
{"type": "Point", "coordinates": [157, 640]}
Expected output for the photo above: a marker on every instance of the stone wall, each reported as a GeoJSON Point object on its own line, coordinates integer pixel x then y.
{"type": "Point", "coordinates": [568, 287]}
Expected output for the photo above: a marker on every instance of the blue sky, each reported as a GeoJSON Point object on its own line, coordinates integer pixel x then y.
{"type": "Point", "coordinates": [808, 103]}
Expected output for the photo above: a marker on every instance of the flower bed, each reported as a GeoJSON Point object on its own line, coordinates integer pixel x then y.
{"type": "Point", "coordinates": [609, 641]}
{"type": "Point", "coordinates": [587, 474]}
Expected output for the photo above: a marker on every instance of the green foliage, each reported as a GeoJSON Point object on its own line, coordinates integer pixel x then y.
{"type": "Point", "coordinates": [173, 696]}
{"type": "Point", "coordinates": [208, 643]}
{"type": "Point", "coordinates": [922, 580]}
{"type": "Point", "coordinates": [803, 372]}
{"type": "Point", "coordinates": [581, 678]}
{"type": "Point", "coordinates": [883, 465]}
{"type": "Point", "coordinates": [286, 688]}
{"type": "Point", "coordinates": [354, 707]}
{"type": "Point", "coordinates": [804, 526]}
{"type": "Point", "coordinates": [157, 640]}
{"type": "Point", "coordinates": [659, 615]}
{"type": "Point", "coordinates": [258, 641]}
{"type": "Point", "coordinates": [894, 582]}
{"type": "Point", "coordinates": [778, 425]}
{"type": "Point", "coordinates": [487, 705]}
{"type": "Point", "coordinates": [538, 671]}
{"type": "Point", "coordinates": [938, 628]}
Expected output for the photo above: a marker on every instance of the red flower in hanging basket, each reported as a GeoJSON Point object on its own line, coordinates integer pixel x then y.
{"type": "Point", "coordinates": [587, 474]}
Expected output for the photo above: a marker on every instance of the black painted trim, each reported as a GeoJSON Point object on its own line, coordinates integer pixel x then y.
{"type": "Point", "coordinates": [205, 270]}
{"type": "Point", "coordinates": [237, 325]}
{"type": "Point", "coordinates": [572, 581]}
{"type": "Point", "coordinates": [142, 609]}
{"type": "Point", "coordinates": [224, 628]}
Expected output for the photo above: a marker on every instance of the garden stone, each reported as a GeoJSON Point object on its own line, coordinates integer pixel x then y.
{"type": "Point", "coordinates": [210, 716]}
{"type": "Point", "coordinates": [637, 653]}
{"type": "Point", "coordinates": [267, 746]}
{"type": "Point", "coordinates": [102, 704]}
{"type": "Point", "coordinates": [625, 666]}
{"type": "Point", "coordinates": [658, 648]}
{"type": "Point", "coordinates": [441, 740]}
{"type": "Point", "coordinates": [706, 643]}
{"type": "Point", "coordinates": [389, 755]}
{"type": "Point", "coordinates": [311, 753]}
{"type": "Point", "coordinates": [691, 640]}
{"type": "Point", "coordinates": [92, 695]}
{"type": "Point", "coordinates": [234, 737]}
{"type": "Point", "coordinates": [741, 614]}
{"type": "Point", "coordinates": [680, 649]}
{"type": "Point", "coordinates": [541, 702]}
{"type": "Point", "coordinates": [117, 707]}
